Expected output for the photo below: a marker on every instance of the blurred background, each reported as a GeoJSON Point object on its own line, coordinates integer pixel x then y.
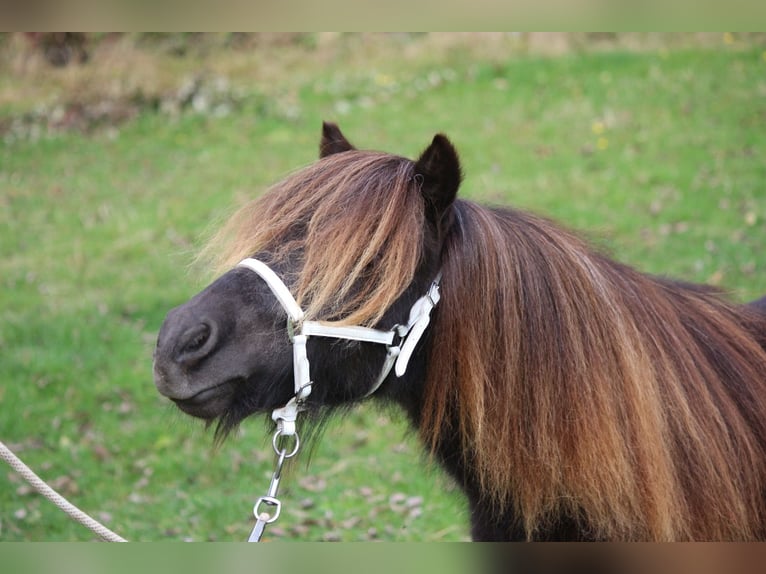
{"type": "Point", "coordinates": [121, 153]}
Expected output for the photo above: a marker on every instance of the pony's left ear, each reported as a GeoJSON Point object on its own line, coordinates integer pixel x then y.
{"type": "Point", "coordinates": [439, 168]}
{"type": "Point", "coordinates": [333, 141]}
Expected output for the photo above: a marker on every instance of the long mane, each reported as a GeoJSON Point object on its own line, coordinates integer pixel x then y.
{"type": "Point", "coordinates": [355, 222]}
{"type": "Point", "coordinates": [585, 388]}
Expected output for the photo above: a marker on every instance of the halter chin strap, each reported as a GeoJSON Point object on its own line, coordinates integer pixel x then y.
{"type": "Point", "coordinates": [397, 355]}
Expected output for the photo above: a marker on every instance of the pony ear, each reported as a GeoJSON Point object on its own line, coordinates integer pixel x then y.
{"type": "Point", "coordinates": [333, 140]}
{"type": "Point", "coordinates": [439, 168]}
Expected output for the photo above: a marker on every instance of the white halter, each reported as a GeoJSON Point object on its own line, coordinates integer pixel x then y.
{"type": "Point", "coordinates": [397, 356]}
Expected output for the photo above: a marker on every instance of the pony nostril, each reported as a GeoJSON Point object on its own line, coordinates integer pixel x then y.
{"type": "Point", "coordinates": [195, 344]}
{"type": "Point", "coordinates": [198, 340]}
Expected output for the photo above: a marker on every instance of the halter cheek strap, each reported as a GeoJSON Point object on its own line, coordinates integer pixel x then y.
{"type": "Point", "coordinates": [397, 356]}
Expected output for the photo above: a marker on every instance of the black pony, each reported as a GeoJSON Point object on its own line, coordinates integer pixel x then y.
{"type": "Point", "coordinates": [570, 396]}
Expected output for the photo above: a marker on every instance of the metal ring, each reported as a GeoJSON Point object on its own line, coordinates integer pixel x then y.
{"type": "Point", "coordinates": [283, 451]}
{"type": "Point", "coordinates": [271, 501]}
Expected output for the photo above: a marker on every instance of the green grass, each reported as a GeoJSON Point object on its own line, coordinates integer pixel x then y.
{"type": "Point", "coordinates": [658, 156]}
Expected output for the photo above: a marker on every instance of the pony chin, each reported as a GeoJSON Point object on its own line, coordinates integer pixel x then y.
{"type": "Point", "coordinates": [211, 402]}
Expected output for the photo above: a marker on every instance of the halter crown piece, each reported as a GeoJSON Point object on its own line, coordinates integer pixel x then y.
{"type": "Point", "coordinates": [397, 356]}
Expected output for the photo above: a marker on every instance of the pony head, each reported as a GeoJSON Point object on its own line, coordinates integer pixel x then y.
{"type": "Point", "coordinates": [356, 237]}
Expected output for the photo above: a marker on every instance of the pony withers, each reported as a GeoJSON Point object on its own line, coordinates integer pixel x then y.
{"type": "Point", "coordinates": [570, 396]}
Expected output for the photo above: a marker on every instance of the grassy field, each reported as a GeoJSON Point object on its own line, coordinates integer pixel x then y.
{"type": "Point", "coordinates": [658, 154]}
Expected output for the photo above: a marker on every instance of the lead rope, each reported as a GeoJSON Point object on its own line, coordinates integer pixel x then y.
{"type": "Point", "coordinates": [43, 488]}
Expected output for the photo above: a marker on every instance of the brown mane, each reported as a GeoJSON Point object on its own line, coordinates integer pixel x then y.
{"type": "Point", "coordinates": [362, 207]}
{"type": "Point", "coordinates": [588, 388]}
{"type": "Point", "coordinates": [593, 390]}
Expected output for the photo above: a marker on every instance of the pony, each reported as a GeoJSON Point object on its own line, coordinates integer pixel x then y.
{"type": "Point", "coordinates": [570, 396]}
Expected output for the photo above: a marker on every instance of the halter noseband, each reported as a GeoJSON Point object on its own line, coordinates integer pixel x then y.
{"type": "Point", "coordinates": [299, 330]}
